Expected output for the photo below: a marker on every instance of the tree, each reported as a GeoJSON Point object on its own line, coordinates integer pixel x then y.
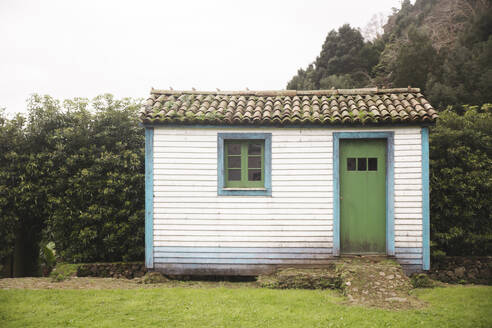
{"type": "Point", "coordinates": [415, 60]}
{"type": "Point", "coordinates": [345, 61]}
{"type": "Point", "coordinates": [304, 80]}
{"type": "Point", "coordinates": [374, 29]}
{"type": "Point", "coordinates": [340, 53]}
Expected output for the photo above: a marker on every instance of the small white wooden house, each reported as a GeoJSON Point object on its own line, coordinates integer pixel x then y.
{"type": "Point", "coordinates": [238, 183]}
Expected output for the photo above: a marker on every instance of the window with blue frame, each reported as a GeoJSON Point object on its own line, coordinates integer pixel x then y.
{"type": "Point", "coordinates": [244, 164]}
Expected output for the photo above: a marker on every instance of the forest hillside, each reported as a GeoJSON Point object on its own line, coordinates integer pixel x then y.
{"type": "Point", "coordinates": [443, 47]}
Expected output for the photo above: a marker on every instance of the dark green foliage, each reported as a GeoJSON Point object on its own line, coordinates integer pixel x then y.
{"type": "Point", "coordinates": [448, 56]}
{"type": "Point", "coordinates": [345, 61]}
{"type": "Point", "coordinates": [464, 77]}
{"type": "Point", "coordinates": [340, 52]}
{"type": "Point", "coordinates": [47, 259]}
{"type": "Point", "coordinates": [304, 80]}
{"type": "Point", "coordinates": [415, 60]}
{"type": "Point", "coordinates": [77, 175]}
{"type": "Point", "coordinates": [98, 203]}
{"type": "Point", "coordinates": [11, 139]}
{"type": "Point", "coordinates": [25, 183]}
{"type": "Point", "coordinates": [461, 182]}
{"type": "Point", "coordinates": [443, 47]}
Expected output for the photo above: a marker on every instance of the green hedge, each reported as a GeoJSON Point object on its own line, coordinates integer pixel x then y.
{"type": "Point", "coordinates": [461, 182]}
{"type": "Point", "coordinates": [73, 173]}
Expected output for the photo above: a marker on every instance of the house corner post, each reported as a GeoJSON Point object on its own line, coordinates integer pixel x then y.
{"type": "Point", "coordinates": [336, 195]}
{"type": "Point", "coordinates": [390, 194]}
{"type": "Point", "coordinates": [149, 197]}
{"type": "Point", "coordinates": [425, 200]}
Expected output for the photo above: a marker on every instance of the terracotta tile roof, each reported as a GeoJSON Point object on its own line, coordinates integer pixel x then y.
{"type": "Point", "coordinates": [320, 107]}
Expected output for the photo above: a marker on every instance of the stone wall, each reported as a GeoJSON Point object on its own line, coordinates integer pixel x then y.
{"type": "Point", "coordinates": [127, 270]}
{"type": "Point", "coordinates": [449, 269]}
{"type": "Point", "coordinates": [462, 270]}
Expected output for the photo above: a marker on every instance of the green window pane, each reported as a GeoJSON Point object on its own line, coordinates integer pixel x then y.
{"type": "Point", "coordinates": [351, 164]}
{"type": "Point", "coordinates": [234, 175]}
{"type": "Point", "coordinates": [254, 162]}
{"type": "Point", "coordinates": [254, 175]}
{"type": "Point", "coordinates": [234, 162]}
{"type": "Point", "coordinates": [362, 164]}
{"type": "Point", "coordinates": [254, 149]}
{"type": "Point", "coordinates": [244, 163]}
{"type": "Point", "coordinates": [234, 149]}
{"type": "Point", "coordinates": [373, 164]}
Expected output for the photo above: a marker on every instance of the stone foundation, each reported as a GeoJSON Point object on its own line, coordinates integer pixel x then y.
{"type": "Point", "coordinates": [127, 270]}
{"type": "Point", "coordinates": [462, 270]}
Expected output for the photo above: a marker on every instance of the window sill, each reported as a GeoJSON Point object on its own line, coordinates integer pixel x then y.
{"type": "Point", "coordinates": [265, 192]}
{"type": "Point", "coordinates": [260, 189]}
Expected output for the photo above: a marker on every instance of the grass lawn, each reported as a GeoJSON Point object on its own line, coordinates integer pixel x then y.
{"type": "Point", "coordinates": [458, 306]}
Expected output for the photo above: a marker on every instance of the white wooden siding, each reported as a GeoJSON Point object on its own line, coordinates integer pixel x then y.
{"type": "Point", "coordinates": [194, 227]}
{"type": "Point", "coordinates": [408, 196]}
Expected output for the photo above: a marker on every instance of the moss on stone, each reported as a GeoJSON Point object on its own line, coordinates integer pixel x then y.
{"type": "Point", "coordinates": [64, 271]}
{"type": "Point", "coordinates": [154, 278]}
{"type": "Point", "coordinates": [421, 280]}
{"type": "Point", "coordinates": [293, 278]}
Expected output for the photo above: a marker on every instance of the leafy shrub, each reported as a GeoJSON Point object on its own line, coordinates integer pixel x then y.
{"type": "Point", "coordinates": [421, 280]}
{"type": "Point", "coordinates": [47, 258]}
{"type": "Point", "coordinates": [73, 173]}
{"type": "Point", "coordinates": [98, 199]}
{"type": "Point", "coordinates": [461, 182]}
{"type": "Point", "coordinates": [64, 271]}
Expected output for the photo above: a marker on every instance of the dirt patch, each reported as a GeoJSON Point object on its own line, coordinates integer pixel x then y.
{"type": "Point", "coordinates": [377, 282]}
{"type": "Point", "coordinates": [112, 283]}
{"type": "Point", "coordinates": [365, 280]}
{"type": "Point", "coordinates": [293, 278]}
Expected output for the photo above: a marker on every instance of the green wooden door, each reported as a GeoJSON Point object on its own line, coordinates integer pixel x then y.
{"type": "Point", "coordinates": [363, 196]}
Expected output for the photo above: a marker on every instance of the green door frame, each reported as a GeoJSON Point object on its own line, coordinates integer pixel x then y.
{"type": "Point", "coordinates": [390, 211]}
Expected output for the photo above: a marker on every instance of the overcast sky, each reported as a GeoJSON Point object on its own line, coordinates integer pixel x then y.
{"type": "Point", "coordinates": [84, 48]}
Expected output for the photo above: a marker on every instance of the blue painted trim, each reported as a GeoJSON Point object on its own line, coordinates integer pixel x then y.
{"type": "Point", "coordinates": [221, 137]}
{"type": "Point", "coordinates": [149, 198]}
{"type": "Point", "coordinates": [390, 194]}
{"type": "Point", "coordinates": [336, 194]}
{"type": "Point", "coordinates": [390, 185]}
{"type": "Point", "coordinates": [425, 200]}
{"type": "Point", "coordinates": [364, 135]}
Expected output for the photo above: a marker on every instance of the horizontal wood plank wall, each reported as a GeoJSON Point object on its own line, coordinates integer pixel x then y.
{"type": "Point", "coordinates": [408, 197]}
{"type": "Point", "coordinates": [196, 231]}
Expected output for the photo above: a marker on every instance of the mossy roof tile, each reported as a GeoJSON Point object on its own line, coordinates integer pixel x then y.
{"type": "Point", "coordinates": [322, 107]}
